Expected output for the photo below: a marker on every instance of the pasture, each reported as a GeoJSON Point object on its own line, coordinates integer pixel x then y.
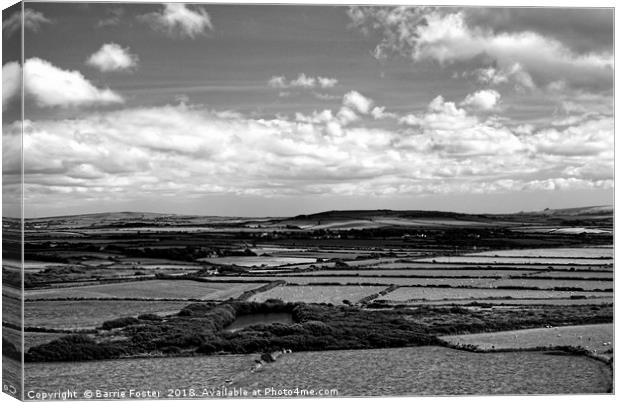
{"type": "Point", "coordinates": [433, 371]}
{"type": "Point", "coordinates": [82, 314]}
{"type": "Point", "coordinates": [595, 338]}
{"type": "Point", "coordinates": [150, 289]}
{"type": "Point", "coordinates": [318, 294]}
{"type": "Point", "coordinates": [405, 294]}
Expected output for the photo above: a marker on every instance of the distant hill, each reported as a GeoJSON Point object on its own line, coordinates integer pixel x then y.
{"type": "Point", "coordinates": [596, 210]}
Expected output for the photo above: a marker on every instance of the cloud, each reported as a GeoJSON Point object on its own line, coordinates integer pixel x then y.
{"type": "Point", "coordinates": [482, 100]}
{"type": "Point", "coordinates": [326, 82]}
{"type": "Point", "coordinates": [378, 113]}
{"type": "Point", "coordinates": [357, 101]}
{"type": "Point", "coordinates": [178, 20]}
{"type": "Point", "coordinates": [32, 21]}
{"type": "Point", "coordinates": [277, 82]}
{"type": "Point", "coordinates": [50, 86]}
{"type": "Point", "coordinates": [302, 81]}
{"type": "Point", "coordinates": [445, 36]}
{"type": "Point", "coordinates": [11, 82]}
{"type": "Point", "coordinates": [112, 57]}
{"type": "Point", "coordinates": [193, 151]}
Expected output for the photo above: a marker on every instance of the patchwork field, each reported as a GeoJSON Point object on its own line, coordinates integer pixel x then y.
{"type": "Point", "coordinates": [580, 252]}
{"type": "Point", "coordinates": [152, 289]}
{"type": "Point", "coordinates": [433, 371]}
{"type": "Point", "coordinates": [479, 259]}
{"type": "Point", "coordinates": [395, 278]}
{"type": "Point", "coordinates": [91, 313]}
{"type": "Point", "coordinates": [318, 294]}
{"type": "Point", "coordinates": [405, 294]}
{"type": "Point", "coordinates": [260, 261]}
{"type": "Point", "coordinates": [514, 302]}
{"type": "Point", "coordinates": [595, 338]}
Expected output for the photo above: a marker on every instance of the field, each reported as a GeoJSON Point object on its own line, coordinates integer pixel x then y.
{"type": "Point", "coordinates": [478, 259]}
{"type": "Point", "coordinates": [182, 372]}
{"type": "Point", "coordinates": [433, 371]}
{"type": "Point", "coordinates": [453, 282]}
{"type": "Point", "coordinates": [260, 261]}
{"type": "Point", "coordinates": [154, 289]}
{"type": "Point", "coordinates": [595, 338]}
{"type": "Point", "coordinates": [318, 294]}
{"type": "Point", "coordinates": [91, 313]}
{"type": "Point", "coordinates": [405, 294]}
{"type": "Point", "coordinates": [581, 252]}
{"type": "Point", "coordinates": [497, 303]}
{"type": "Point", "coordinates": [382, 280]}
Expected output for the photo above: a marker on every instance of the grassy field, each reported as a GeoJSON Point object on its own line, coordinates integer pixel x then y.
{"type": "Point", "coordinates": [432, 371]}
{"type": "Point", "coordinates": [318, 294]}
{"type": "Point", "coordinates": [522, 302]}
{"type": "Point", "coordinates": [577, 252]}
{"type": "Point", "coordinates": [260, 261]}
{"type": "Point", "coordinates": [479, 259]}
{"type": "Point", "coordinates": [405, 294]}
{"type": "Point", "coordinates": [596, 338]}
{"type": "Point", "coordinates": [544, 283]}
{"type": "Point", "coordinates": [421, 265]}
{"type": "Point", "coordinates": [421, 272]}
{"type": "Point", "coordinates": [91, 313]}
{"type": "Point", "coordinates": [154, 289]}
{"type": "Point", "coordinates": [433, 281]}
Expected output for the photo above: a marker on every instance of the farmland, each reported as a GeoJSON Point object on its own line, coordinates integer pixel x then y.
{"type": "Point", "coordinates": [69, 314]}
{"type": "Point", "coordinates": [318, 294]}
{"type": "Point", "coordinates": [596, 338]}
{"type": "Point", "coordinates": [134, 284]}
{"type": "Point", "coordinates": [154, 289]}
{"type": "Point", "coordinates": [434, 371]}
{"type": "Point", "coordinates": [404, 294]}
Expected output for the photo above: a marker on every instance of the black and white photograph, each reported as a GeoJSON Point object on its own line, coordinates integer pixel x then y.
{"type": "Point", "coordinates": [228, 200]}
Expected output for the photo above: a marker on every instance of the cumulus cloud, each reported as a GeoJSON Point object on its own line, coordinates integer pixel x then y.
{"type": "Point", "coordinates": [193, 151]}
{"type": "Point", "coordinates": [482, 100]}
{"type": "Point", "coordinates": [445, 36]}
{"type": "Point", "coordinates": [112, 57]}
{"type": "Point", "coordinates": [357, 101]}
{"type": "Point", "coordinates": [302, 81]}
{"type": "Point", "coordinates": [11, 82]}
{"type": "Point", "coordinates": [378, 113]}
{"type": "Point", "coordinates": [50, 86]}
{"type": "Point", "coordinates": [33, 20]}
{"type": "Point", "coordinates": [178, 20]}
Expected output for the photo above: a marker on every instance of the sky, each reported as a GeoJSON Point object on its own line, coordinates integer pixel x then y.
{"type": "Point", "coordinates": [263, 110]}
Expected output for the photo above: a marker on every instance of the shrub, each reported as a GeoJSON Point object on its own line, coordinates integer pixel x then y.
{"type": "Point", "coordinates": [119, 323]}
{"type": "Point", "coordinates": [149, 317]}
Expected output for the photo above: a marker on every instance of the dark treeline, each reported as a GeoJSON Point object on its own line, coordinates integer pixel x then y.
{"type": "Point", "coordinates": [201, 328]}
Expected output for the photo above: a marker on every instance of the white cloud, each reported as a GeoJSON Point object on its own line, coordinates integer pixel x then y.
{"type": "Point", "coordinates": [482, 100]}
{"type": "Point", "coordinates": [446, 37]}
{"type": "Point", "coordinates": [277, 82]}
{"type": "Point", "coordinates": [11, 82]}
{"type": "Point", "coordinates": [357, 101]}
{"type": "Point", "coordinates": [326, 82]}
{"type": "Point", "coordinates": [50, 86]}
{"type": "Point", "coordinates": [302, 81]}
{"type": "Point", "coordinates": [346, 116]}
{"type": "Point", "coordinates": [177, 19]}
{"type": "Point", "coordinates": [378, 113]}
{"type": "Point", "coordinates": [32, 21]}
{"type": "Point", "coordinates": [112, 57]}
{"type": "Point", "coordinates": [184, 149]}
